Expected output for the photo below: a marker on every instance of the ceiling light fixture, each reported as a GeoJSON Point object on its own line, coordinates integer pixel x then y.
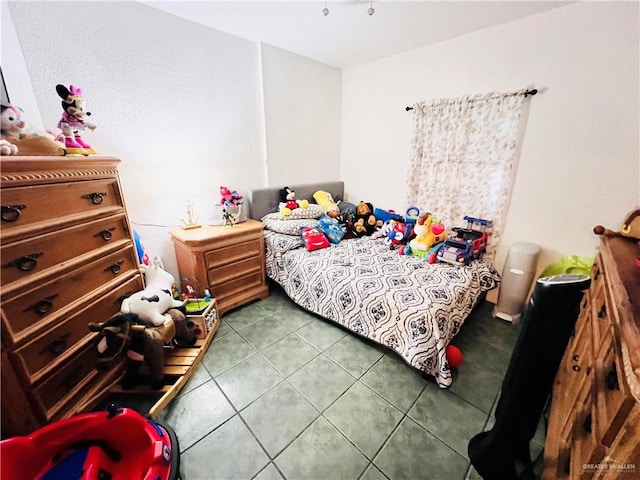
{"type": "Point", "coordinates": [371, 10]}
{"type": "Point", "coordinates": [325, 10]}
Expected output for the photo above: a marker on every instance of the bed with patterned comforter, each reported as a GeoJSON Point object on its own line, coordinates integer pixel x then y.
{"type": "Point", "coordinates": [402, 302]}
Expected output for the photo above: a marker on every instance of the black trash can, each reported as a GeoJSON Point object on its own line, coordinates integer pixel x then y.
{"type": "Point", "coordinates": [547, 326]}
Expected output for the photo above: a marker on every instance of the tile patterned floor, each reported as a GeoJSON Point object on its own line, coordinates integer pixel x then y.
{"type": "Point", "coordinates": [282, 394]}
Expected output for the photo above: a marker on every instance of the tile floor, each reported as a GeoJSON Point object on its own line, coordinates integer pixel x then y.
{"type": "Point", "coordinates": [282, 394]}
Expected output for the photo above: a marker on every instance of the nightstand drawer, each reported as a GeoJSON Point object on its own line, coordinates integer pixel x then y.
{"type": "Point", "coordinates": [24, 259]}
{"type": "Point", "coordinates": [66, 377]}
{"type": "Point", "coordinates": [232, 272]}
{"type": "Point", "coordinates": [236, 286]}
{"type": "Point", "coordinates": [49, 206]}
{"type": "Point", "coordinates": [233, 253]}
{"type": "Point", "coordinates": [31, 309]}
{"type": "Point", "coordinates": [39, 356]}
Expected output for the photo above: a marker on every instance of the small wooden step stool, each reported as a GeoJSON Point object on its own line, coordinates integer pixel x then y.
{"type": "Point", "coordinates": [179, 362]}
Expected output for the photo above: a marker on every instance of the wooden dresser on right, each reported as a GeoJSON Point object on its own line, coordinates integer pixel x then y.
{"type": "Point", "coordinates": [594, 425]}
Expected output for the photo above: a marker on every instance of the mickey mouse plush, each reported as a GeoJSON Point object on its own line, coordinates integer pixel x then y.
{"type": "Point", "coordinates": [288, 201]}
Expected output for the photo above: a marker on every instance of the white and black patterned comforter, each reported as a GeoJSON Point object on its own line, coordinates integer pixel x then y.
{"type": "Point", "coordinates": [402, 302]}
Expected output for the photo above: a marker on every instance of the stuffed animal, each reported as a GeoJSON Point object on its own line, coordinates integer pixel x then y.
{"type": "Point", "coordinates": [13, 125]}
{"type": "Point", "coordinates": [325, 200]}
{"type": "Point", "coordinates": [396, 234]}
{"type": "Point", "coordinates": [427, 235]}
{"type": "Point", "coordinates": [151, 303]}
{"type": "Point", "coordinates": [18, 138]}
{"type": "Point", "coordinates": [230, 198]}
{"type": "Point", "coordinates": [365, 221]}
{"type": "Point", "coordinates": [7, 148]}
{"type": "Point", "coordinates": [74, 120]}
{"type": "Point", "coordinates": [142, 343]}
{"type": "Point", "coordinates": [288, 202]}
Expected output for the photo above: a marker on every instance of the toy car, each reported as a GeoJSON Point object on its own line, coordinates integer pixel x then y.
{"type": "Point", "coordinates": [119, 444]}
{"type": "Point", "coordinates": [455, 251]}
{"type": "Point", "coordinates": [467, 244]}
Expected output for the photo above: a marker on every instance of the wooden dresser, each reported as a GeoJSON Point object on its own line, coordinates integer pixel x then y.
{"type": "Point", "coordinates": [594, 426]}
{"type": "Point", "coordinates": [67, 259]}
{"type": "Point", "coordinates": [229, 261]}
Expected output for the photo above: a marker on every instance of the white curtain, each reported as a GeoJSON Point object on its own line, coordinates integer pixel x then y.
{"type": "Point", "coordinates": [462, 159]}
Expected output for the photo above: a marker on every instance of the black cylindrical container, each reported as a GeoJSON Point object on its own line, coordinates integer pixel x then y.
{"type": "Point", "coordinates": [547, 326]}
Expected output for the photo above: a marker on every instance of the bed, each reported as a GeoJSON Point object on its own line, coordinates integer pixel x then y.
{"type": "Point", "coordinates": [402, 302]}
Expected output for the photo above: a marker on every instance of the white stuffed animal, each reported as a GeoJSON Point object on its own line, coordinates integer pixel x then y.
{"type": "Point", "coordinates": [152, 303]}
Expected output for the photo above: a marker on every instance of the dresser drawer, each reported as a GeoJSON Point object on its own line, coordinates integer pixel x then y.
{"type": "Point", "coordinates": [613, 400]}
{"type": "Point", "coordinates": [40, 356]}
{"type": "Point", "coordinates": [29, 311]}
{"type": "Point", "coordinates": [66, 378]}
{"type": "Point", "coordinates": [232, 272]}
{"type": "Point", "coordinates": [23, 260]}
{"type": "Point", "coordinates": [236, 285]}
{"type": "Point", "coordinates": [232, 254]}
{"type": "Point", "coordinates": [47, 206]}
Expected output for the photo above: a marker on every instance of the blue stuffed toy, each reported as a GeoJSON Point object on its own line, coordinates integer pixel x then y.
{"type": "Point", "coordinates": [331, 228]}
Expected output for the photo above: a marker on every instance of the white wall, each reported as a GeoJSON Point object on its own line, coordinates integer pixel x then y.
{"type": "Point", "coordinates": [179, 103]}
{"type": "Point", "coordinates": [302, 111]}
{"type": "Point", "coordinates": [580, 159]}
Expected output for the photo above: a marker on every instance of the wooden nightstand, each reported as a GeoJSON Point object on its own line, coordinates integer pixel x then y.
{"type": "Point", "coordinates": [229, 261]}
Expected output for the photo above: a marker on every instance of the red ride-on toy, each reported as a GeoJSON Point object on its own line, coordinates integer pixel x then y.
{"type": "Point", "coordinates": [467, 243]}
{"type": "Point", "coordinates": [119, 444]}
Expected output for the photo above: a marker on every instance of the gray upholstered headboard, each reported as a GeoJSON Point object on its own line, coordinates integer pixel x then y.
{"type": "Point", "coordinates": [265, 200]}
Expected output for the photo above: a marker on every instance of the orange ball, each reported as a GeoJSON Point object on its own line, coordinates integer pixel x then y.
{"type": "Point", "coordinates": [454, 356]}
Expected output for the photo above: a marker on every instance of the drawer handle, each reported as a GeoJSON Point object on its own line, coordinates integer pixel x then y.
{"type": "Point", "coordinates": [11, 213]}
{"type": "Point", "coordinates": [576, 368]}
{"type": "Point", "coordinates": [106, 234]}
{"type": "Point", "coordinates": [576, 358]}
{"type": "Point", "coordinates": [72, 379]}
{"type": "Point", "coordinates": [26, 263]}
{"type": "Point", "coordinates": [611, 379]}
{"type": "Point", "coordinates": [43, 306]}
{"type": "Point", "coordinates": [96, 197]}
{"type": "Point", "coordinates": [58, 346]}
{"type": "Point", "coordinates": [603, 311]}
{"type": "Point", "coordinates": [116, 267]}
{"type": "Point", "coordinates": [587, 423]}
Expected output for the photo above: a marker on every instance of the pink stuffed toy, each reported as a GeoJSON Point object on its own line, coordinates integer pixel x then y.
{"type": "Point", "coordinates": [230, 198]}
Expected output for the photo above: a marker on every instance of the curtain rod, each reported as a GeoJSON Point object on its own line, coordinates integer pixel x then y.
{"type": "Point", "coordinates": [531, 92]}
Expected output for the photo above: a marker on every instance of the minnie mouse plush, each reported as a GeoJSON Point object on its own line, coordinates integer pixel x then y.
{"type": "Point", "coordinates": [74, 119]}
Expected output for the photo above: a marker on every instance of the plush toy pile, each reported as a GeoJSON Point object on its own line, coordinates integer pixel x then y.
{"type": "Point", "coordinates": [415, 233]}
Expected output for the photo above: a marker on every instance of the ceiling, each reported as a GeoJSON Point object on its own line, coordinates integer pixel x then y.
{"type": "Point", "coordinates": [348, 36]}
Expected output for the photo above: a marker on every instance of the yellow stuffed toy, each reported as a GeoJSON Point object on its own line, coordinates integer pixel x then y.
{"type": "Point", "coordinates": [325, 200]}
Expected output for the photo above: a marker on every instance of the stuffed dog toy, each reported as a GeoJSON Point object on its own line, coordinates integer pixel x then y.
{"type": "Point", "coordinates": [151, 303]}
